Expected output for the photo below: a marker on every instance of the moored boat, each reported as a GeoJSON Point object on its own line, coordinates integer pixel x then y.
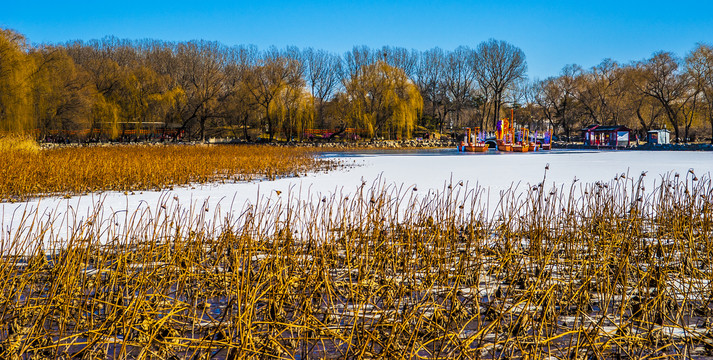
{"type": "Point", "coordinates": [519, 148]}
{"type": "Point", "coordinates": [473, 142]}
{"type": "Point", "coordinates": [476, 148]}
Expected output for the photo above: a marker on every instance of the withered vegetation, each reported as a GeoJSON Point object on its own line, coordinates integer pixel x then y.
{"type": "Point", "coordinates": [29, 171]}
{"type": "Point", "coordinates": [604, 270]}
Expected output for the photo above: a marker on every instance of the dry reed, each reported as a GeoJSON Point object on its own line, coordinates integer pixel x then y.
{"type": "Point", "coordinates": [77, 170]}
{"type": "Point", "coordinates": [597, 271]}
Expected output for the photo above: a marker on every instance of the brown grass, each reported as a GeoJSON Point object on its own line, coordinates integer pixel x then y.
{"type": "Point", "coordinates": [74, 170]}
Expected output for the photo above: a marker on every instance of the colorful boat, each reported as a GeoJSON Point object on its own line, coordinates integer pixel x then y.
{"type": "Point", "coordinates": [504, 135]}
{"type": "Point", "coordinates": [519, 148]}
{"type": "Point", "coordinates": [476, 148]}
{"type": "Point", "coordinates": [547, 140]}
{"type": "Point", "coordinates": [522, 142]}
{"type": "Point", "coordinates": [507, 139]}
{"type": "Point", "coordinates": [473, 142]}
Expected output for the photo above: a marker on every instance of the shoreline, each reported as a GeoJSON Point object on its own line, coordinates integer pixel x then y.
{"type": "Point", "coordinates": [641, 147]}
{"type": "Point", "coordinates": [383, 145]}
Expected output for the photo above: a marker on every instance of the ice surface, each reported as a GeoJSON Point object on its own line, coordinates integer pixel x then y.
{"type": "Point", "coordinates": [425, 170]}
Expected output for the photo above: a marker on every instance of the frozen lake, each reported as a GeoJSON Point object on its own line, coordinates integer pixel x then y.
{"type": "Point", "coordinates": [426, 170]}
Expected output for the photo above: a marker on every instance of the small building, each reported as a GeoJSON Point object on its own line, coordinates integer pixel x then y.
{"type": "Point", "coordinates": [660, 136]}
{"type": "Point", "coordinates": [607, 136]}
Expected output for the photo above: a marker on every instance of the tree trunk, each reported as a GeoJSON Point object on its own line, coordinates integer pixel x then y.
{"type": "Point", "coordinates": [567, 132]}
{"type": "Point", "coordinates": [641, 120]}
{"type": "Point", "coordinates": [245, 127]}
{"type": "Point", "coordinates": [672, 119]}
{"type": "Point", "coordinates": [202, 123]}
{"type": "Point", "coordinates": [270, 132]}
{"type": "Point", "coordinates": [458, 115]}
{"type": "Point", "coordinates": [320, 114]}
{"type": "Point", "coordinates": [496, 114]}
{"type": "Point", "coordinates": [486, 114]}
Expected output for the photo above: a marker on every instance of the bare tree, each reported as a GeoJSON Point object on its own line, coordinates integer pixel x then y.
{"type": "Point", "coordinates": [547, 97]}
{"type": "Point", "coordinates": [274, 72]}
{"type": "Point", "coordinates": [646, 110]}
{"type": "Point", "coordinates": [602, 92]}
{"type": "Point", "coordinates": [568, 106]}
{"type": "Point", "coordinates": [499, 64]}
{"type": "Point", "coordinates": [401, 58]}
{"type": "Point", "coordinates": [665, 83]}
{"type": "Point", "coordinates": [324, 73]}
{"type": "Point", "coordinates": [356, 59]}
{"type": "Point", "coordinates": [521, 95]}
{"type": "Point", "coordinates": [459, 78]}
{"type": "Point", "coordinates": [699, 65]}
{"type": "Point", "coordinates": [237, 104]}
{"type": "Point", "coordinates": [430, 78]}
{"type": "Point", "coordinates": [556, 97]}
{"type": "Point", "coordinates": [201, 76]}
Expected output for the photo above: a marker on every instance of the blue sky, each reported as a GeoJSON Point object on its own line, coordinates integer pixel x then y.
{"type": "Point", "coordinates": [551, 33]}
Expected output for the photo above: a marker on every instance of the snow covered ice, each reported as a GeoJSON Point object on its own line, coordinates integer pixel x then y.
{"type": "Point", "coordinates": [426, 170]}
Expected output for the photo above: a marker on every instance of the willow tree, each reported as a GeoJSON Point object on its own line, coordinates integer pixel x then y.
{"type": "Point", "coordinates": [107, 80]}
{"type": "Point", "coordinates": [16, 67]}
{"type": "Point", "coordinates": [148, 97]}
{"type": "Point", "coordinates": [274, 72]}
{"type": "Point", "coordinates": [383, 100]}
{"type": "Point", "coordinates": [62, 95]}
{"type": "Point", "coordinates": [699, 64]}
{"type": "Point", "coordinates": [105, 115]}
{"type": "Point", "coordinates": [294, 109]}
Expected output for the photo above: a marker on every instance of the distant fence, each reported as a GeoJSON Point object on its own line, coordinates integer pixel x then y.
{"type": "Point", "coordinates": [98, 132]}
{"type": "Point", "coordinates": [326, 133]}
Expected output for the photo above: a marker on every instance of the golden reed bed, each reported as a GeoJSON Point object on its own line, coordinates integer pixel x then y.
{"type": "Point", "coordinates": [26, 170]}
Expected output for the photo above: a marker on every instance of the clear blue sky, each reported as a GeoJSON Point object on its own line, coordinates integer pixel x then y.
{"type": "Point", "coordinates": [551, 33]}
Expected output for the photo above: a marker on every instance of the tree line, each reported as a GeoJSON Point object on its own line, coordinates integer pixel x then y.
{"type": "Point", "coordinates": [663, 91]}
{"type": "Point", "coordinates": [112, 87]}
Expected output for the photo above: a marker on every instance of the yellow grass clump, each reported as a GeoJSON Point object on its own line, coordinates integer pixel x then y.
{"type": "Point", "coordinates": [598, 271]}
{"type": "Point", "coordinates": [26, 171]}
{"type": "Point", "coordinates": [17, 144]}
